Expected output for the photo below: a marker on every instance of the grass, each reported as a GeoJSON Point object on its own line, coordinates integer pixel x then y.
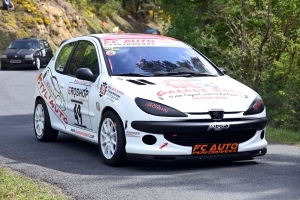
{"type": "Point", "coordinates": [283, 136]}
{"type": "Point", "coordinates": [16, 186]}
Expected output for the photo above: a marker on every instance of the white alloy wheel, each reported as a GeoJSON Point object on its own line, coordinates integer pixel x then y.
{"type": "Point", "coordinates": [39, 120]}
{"type": "Point", "coordinates": [108, 138]}
{"type": "Point", "coordinates": [42, 125]}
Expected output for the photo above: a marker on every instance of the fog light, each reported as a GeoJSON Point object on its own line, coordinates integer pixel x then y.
{"type": "Point", "coordinates": [149, 139]}
{"type": "Point", "coordinates": [262, 135]}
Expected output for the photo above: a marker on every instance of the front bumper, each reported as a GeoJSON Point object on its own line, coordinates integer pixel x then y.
{"type": "Point", "coordinates": [179, 139]}
{"type": "Point", "coordinates": [185, 158]}
{"type": "Point", "coordinates": [22, 63]}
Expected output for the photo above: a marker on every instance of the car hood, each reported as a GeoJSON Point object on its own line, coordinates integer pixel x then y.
{"type": "Point", "coordinates": [192, 94]}
{"type": "Point", "coordinates": [19, 51]}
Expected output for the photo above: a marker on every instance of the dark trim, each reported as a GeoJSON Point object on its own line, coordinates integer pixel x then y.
{"type": "Point", "coordinates": [178, 158]}
{"type": "Point", "coordinates": [160, 127]}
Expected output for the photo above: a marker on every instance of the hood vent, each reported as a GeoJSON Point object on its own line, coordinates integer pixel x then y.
{"type": "Point", "coordinates": [141, 82]}
{"type": "Point", "coordinates": [147, 82]}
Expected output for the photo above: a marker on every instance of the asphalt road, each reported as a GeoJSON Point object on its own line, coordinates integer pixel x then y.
{"type": "Point", "coordinates": [76, 167]}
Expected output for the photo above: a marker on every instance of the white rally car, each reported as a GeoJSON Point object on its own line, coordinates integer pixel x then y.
{"type": "Point", "coordinates": [147, 97]}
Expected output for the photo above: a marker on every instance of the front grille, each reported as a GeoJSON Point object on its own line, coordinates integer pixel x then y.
{"type": "Point", "coordinates": [216, 137]}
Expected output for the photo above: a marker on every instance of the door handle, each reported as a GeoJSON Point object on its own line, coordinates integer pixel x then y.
{"type": "Point", "coordinates": [62, 85]}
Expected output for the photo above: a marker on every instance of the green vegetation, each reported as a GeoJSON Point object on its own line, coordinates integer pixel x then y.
{"type": "Point", "coordinates": [256, 41]}
{"type": "Point", "coordinates": [15, 186]}
{"type": "Point", "coordinates": [283, 136]}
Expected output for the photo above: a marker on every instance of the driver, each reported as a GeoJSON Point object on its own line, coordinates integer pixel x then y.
{"type": "Point", "coordinates": [127, 62]}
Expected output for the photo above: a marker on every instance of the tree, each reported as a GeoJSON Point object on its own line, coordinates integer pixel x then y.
{"type": "Point", "coordinates": [257, 40]}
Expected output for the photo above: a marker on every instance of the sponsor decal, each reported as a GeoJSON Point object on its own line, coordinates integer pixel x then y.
{"type": "Point", "coordinates": [180, 83]}
{"type": "Point", "coordinates": [103, 89]}
{"type": "Point", "coordinates": [50, 101]}
{"type": "Point", "coordinates": [123, 42]}
{"type": "Point", "coordinates": [218, 126]}
{"type": "Point", "coordinates": [110, 53]}
{"type": "Point", "coordinates": [204, 149]}
{"type": "Point", "coordinates": [164, 145]}
{"type": "Point", "coordinates": [113, 94]}
{"type": "Point", "coordinates": [78, 132]}
{"type": "Point", "coordinates": [189, 84]}
{"type": "Point", "coordinates": [199, 92]}
{"type": "Point", "coordinates": [78, 92]}
{"type": "Point", "coordinates": [257, 105]}
{"type": "Point", "coordinates": [111, 42]}
{"type": "Point", "coordinates": [98, 106]}
{"type": "Point", "coordinates": [156, 107]}
{"type": "Point", "coordinates": [51, 83]}
{"type": "Point", "coordinates": [78, 116]}
{"type": "Point", "coordinates": [80, 82]}
{"type": "Point", "coordinates": [215, 109]}
{"type": "Point", "coordinates": [132, 134]}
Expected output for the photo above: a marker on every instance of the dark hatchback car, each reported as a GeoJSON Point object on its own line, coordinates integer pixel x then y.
{"type": "Point", "coordinates": [153, 31]}
{"type": "Point", "coordinates": [27, 52]}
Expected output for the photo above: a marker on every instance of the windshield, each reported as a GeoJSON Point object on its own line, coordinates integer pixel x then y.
{"type": "Point", "coordinates": [24, 44]}
{"type": "Point", "coordinates": [157, 61]}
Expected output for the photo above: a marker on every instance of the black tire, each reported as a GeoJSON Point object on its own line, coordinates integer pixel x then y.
{"type": "Point", "coordinates": [37, 64]}
{"type": "Point", "coordinates": [3, 68]}
{"type": "Point", "coordinates": [118, 157]}
{"type": "Point", "coordinates": [42, 125]}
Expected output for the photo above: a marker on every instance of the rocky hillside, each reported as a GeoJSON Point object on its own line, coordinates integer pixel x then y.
{"type": "Point", "coordinates": [56, 20]}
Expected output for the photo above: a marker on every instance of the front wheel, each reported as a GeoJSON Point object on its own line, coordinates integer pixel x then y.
{"type": "Point", "coordinates": [37, 64]}
{"type": "Point", "coordinates": [42, 126]}
{"type": "Point", "coordinates": [112, 140]}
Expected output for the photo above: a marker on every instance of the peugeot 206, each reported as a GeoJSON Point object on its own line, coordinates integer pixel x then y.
{"type": "Point", "coordinates": [147, 97]}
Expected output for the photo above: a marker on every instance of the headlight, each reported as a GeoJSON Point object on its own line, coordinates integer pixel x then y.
{"type": "Point", "coordinates": [29, 56]}
{"type": "Point", "coordinates": [3, 56]}
{"type": "Point", "coordinates": [256, 107]}
{"type": "Point", "coordinates": [157, 109]}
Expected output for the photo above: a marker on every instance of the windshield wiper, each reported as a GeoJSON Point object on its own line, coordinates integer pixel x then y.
{"type": "Point", "coordinates": [204, 74]}
{"type": "Point", "coordinates": [182, 73]}
{"type": "Point", "coordinates": [132, 74]}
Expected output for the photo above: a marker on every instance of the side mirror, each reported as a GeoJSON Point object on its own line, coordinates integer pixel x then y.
{"type": "Point", "coordinates": [85, 74]}
{"type": "Point", "coordinates": [222, 70]}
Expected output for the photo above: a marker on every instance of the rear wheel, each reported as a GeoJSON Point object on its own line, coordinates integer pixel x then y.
{"type": "Point", "coordinates": [42, 126]}
{"type": "Point", "coordinates": [37, 65]}
{"type": "Point", "coordinates": [112, 140]}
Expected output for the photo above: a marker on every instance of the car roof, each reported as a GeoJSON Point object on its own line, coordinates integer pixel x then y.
{"type": "Point", "coordinates": [29, 38]}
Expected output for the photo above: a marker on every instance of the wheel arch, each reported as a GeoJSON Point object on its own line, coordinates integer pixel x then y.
{"type": "Point", "coordinates": [38, 98]}
{"type": "Point", "coordinates": [106, 109]}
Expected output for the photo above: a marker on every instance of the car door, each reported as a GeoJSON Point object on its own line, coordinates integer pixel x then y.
{"type": "Point", "coordinates": [81, 105]}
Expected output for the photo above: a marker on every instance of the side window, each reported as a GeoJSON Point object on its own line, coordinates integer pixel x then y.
{"type": "Point", "coordinates": [85, 56]}
{"type": "Point", "coordinates": [63, 57]}
{"type": "Point", "coordinates": [41, 45]}
{"type": "Point", "coordinates": [46, 44]}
